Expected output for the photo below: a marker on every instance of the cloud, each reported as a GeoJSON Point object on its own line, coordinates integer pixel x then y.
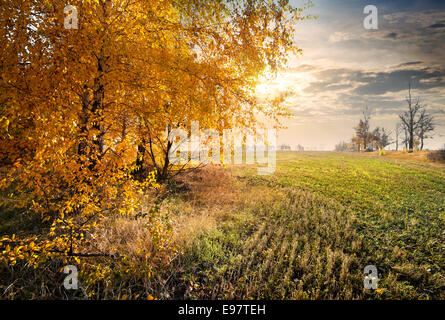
{"type": "Point", "coordinates": [437, 25]}
{"type": "Point", "coordinates": [302, 68]}
{"type": "Point", "coordinates": [407, 64]}
{"type": "Point", "coordinates": [344, 91]}
{"type": "Point", "coordinates": [418, 34]}
{"type": "Point", "coordinates": [339, 36]}
{"type": "Point", "coordinates": [345, 67]}
{"type": "Point", "coordinates": [391, 35]}
{"type": "Point", "coordinates": [377, 83]}
{"type": "Point", "coordinates": [397, 80]}
{"type": "Point", "coordinates": [420, 19]}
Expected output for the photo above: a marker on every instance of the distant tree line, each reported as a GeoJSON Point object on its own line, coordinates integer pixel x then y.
{"type": "Point", "coordinates": [415, 125]}
{"type": "Point", "coordinates": [286, 147]}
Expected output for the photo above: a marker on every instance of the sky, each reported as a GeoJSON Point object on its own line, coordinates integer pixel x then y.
{"type": "Point", "coordinates": [345, 67]}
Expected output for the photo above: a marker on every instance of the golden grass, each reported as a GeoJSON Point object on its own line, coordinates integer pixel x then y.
{"type": "Point", "coordinates": [423, 156]}
{"type": "Point", "coordinates": [124, 235]}
{"type": "Point", "coordinates": [201, 203]}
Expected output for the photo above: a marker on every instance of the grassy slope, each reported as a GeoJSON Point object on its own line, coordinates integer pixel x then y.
{"type": "Point", "coordinates": [309, 230]}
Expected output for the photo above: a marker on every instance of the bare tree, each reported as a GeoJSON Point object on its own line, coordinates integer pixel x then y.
{"type": "Point", "coordinates": [397, 136]}
{"type": "Point", "coordinates": [362, 130]}
{"type": "Point", "coordinates": [425, 126]}
{"type": "Point", "coordinates": [405, 139]}
{"type": "Point", "coordinates": [410, 119]}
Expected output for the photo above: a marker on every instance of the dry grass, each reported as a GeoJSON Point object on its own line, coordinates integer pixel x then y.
{"type": "Point", "coordinates": [204, 199]}
{"type": "Point", "coordinates": [209, 186]}
{"type": "Point", "coordinates": [124, 235]}
{"type": "Point", "coordinates": [436, 158]}
{"type": "Point", "coordinates": [196, 204]}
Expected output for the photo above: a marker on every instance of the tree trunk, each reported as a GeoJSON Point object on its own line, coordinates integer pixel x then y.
{"type": "Point", "coordinates": [140, 160]}
{"type": "Point", "coordinates": [163, 175]}
{"type": "Point", "coordinates": [83, 121]}
{"type": "Point", "coordinates": [99, 96]}
{"type": "Point", "coordinates": [406, 139]}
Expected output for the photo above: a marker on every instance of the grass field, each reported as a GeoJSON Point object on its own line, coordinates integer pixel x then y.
{"type": "Point", "coordinates": [305, 232]}
{"type": "Point", "coordinates": [309, 230]}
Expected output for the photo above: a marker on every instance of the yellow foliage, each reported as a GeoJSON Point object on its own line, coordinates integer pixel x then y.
{"type": "Point", "coordinates": [79, 105]}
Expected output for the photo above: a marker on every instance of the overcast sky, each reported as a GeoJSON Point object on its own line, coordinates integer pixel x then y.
{"type": "Point", "coordinates": [345, 67]}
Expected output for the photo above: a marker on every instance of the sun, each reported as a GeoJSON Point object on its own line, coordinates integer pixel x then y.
{"type": "Point", "coordinates": [270, 85]}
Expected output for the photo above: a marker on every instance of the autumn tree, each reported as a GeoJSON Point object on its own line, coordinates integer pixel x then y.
{"type": "Point", "coordinates": [213, 80]}
{"type": "Point", "coordinates": [79, 90]}
{"type": "Point", "coordinates": [380, 138]}
{"type": "Point", "coordinates": [96, 103]}
{"type": "Point", "coordinates": [355, 143]}
{"type": "Point", "coordinates": [377, 138]}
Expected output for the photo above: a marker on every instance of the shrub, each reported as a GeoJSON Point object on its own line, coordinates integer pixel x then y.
{"type": "Point", "coordinates": [438, 155]}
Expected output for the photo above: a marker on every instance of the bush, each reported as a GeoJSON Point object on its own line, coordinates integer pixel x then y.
{"type": "Point", "coordinates": [438, 155]}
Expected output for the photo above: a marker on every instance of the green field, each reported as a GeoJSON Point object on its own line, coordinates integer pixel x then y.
{"type": "Point", "coordinates": [305, 232]}
{"type": "Point", "coordinates": [308, 231]}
